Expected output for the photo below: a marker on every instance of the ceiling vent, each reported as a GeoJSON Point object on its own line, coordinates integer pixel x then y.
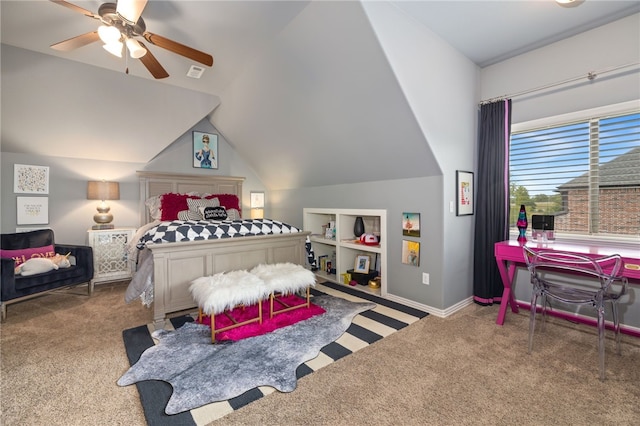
{"type": "Point", "coordinates": [195, 71]}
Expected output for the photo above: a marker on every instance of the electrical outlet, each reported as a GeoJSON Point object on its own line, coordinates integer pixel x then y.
{"type": "Point", "coordinates": [425, 278]}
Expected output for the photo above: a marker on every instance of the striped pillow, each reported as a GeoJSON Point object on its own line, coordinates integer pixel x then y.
{"type": "Point", "coordinates": [189, 215]}
{"type": "Point", "coordinates": [195, 204]}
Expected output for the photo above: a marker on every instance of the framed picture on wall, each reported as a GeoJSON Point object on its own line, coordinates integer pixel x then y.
{"type": "Point", "coordinates": [32, 210]}
{"type": "Point", "coordinates": [205, 150]}
{"type": "Point", "coordinates": [411, 252]}
{"type": "Point", "coordinates": [411, 224]}
{"type": "Point", "coordinates": [30, 179]}
{"type": "Point", "coordinates": [464, 193]}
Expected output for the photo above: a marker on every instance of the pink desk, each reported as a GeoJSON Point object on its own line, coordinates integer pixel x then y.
{"type": "Point", "coordinates": [509, 255]}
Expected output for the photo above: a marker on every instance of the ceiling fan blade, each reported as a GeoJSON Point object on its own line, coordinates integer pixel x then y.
{"type": "Point", "coordinates": [75, 42]}
{"type": "Point", "coordinates": [180, 49]}
{"type": "Point", "coordinates": [76, 8]}
{"type": "Point", "coordinates": [152, 64]}
{"type": "Point", "coordinates": [130, 10]}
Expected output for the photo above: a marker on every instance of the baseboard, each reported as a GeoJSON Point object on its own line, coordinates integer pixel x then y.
{"type": "Point", "coordinates": [441, 313]}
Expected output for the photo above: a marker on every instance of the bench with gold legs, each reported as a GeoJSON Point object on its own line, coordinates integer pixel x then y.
{"type": "Point", "coordinates": [283, 279]}
{"type": "Point", "coordinates": [222, 292]}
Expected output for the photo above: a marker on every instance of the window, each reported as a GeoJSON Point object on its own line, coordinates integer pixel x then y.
{"type": "Point", "coordinates": [584, 171]}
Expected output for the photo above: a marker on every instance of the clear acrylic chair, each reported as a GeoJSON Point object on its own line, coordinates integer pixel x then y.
{"type": "Point", "coordinates": [576, 279]}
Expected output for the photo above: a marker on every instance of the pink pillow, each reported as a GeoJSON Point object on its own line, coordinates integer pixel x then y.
{"type": "Point", "coordinates": [171, 204]}
{"type": "Point", "coordinates": [228, 201]}
{"type": "Point", "coordinates": [22, 255]}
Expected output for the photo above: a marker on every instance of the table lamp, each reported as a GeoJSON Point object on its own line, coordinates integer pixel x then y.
{"type": "Point", "coordinates": [257, 205]}
{"type": "Point", "coordinates": [103, 190]}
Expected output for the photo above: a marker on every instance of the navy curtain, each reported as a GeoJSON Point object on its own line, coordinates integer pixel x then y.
{"type": "Point", "coordinates": [492, 199]}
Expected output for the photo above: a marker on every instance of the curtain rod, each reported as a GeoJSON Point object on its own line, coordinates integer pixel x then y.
{"type": "Point", "coordinates": [590, 76]}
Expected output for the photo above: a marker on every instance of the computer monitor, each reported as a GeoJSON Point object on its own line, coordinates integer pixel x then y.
{"type": "Point", "coordinates": [543, 222]}
{"type": "Point", "coordinates": [542, 227]}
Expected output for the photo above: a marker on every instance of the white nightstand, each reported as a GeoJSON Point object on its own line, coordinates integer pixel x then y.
{"type": "Point", "coordinates": [110, 260]}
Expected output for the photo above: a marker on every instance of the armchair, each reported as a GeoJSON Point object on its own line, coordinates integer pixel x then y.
{"type": "Point", "coordinates": [15, 288]}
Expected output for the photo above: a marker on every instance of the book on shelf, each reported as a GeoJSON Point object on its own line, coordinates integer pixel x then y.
{"type": "Point", "coordinates": [322, 262]}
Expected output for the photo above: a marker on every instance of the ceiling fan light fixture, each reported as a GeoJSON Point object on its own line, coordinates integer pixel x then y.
{"type": "Point", "coordinates": [131, 10]}
{"type": "Point", "coordinates": [115, 48]}
{"type": "Point", "coordinates": [136, 50]}
{"type": "Point", "coordinates": [569, 3]}
{"type": "Point", "coordinates": [108, 34]}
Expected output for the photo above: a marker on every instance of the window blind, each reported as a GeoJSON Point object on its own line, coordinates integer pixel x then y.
{"type": "Point", "coordinates": [586, 173]}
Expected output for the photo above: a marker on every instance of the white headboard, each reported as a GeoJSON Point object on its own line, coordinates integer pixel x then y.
{"type": "Point", "coordinates": [158, 183]}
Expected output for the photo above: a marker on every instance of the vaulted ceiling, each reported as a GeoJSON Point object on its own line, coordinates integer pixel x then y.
{"type": "Point", "coordinates": [293, 82]}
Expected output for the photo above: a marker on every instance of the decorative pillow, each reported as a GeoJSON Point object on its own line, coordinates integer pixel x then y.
{"type": "Point", "coordinates": [228, 201]}
{"type": "Point", "coordinates": [153, 204]}
{"type": "Point", "coordinates": [233, 214]}
{"type": "Point", "coordinates": [189, 215]}
{"type": "Point", "coordinates": [213, 213]}
{"type": "Point", "coordinates": [172, 203]}
{"type": "Point", "coordinates": [195, 204]}
{"type": "Point", "coordinates": [22, 255]}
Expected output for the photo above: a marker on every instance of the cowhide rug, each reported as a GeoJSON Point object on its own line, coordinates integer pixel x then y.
{"type": "Point", "coordinates": [201, 373]}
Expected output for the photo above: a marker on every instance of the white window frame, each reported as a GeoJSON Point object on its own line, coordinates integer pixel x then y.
{"type": "Point", "coordinates": [624, 241]}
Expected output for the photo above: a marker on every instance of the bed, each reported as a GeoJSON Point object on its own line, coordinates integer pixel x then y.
{"type": "Point", "coordinates": [176, 264]}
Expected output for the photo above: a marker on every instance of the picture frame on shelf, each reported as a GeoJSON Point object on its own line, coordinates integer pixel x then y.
{"type": "Point", "coordinates": [362, 264]}
{"type": "Point", "coordinates": [328, 233]}
{"type": "Point", "coordinates": [464, 193]}
{"type": "Point", "coordinates": [205, 150]}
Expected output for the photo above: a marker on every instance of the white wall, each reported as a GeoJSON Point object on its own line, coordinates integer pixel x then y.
{"type": "Point", "coordinates": [606, 47]}
{"type": "Point", "coordinates": [71, 214]}
{"type": "Point", "coordinates": [443, 101]}
{"type": "Point", "coordinates": [441, 86]}
{"type": "Point", "coordinates": [603, 48]}
{"type": "Point", "coordinates": [421, 195]}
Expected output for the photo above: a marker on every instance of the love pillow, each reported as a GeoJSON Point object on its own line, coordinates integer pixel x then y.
{"type": "Point", "coordinates": [22, 255]}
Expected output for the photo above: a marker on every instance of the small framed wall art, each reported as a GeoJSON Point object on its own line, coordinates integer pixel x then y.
{"type": "Point", "coordinates": [32, 210]}
{"type": "Point", "coordinates": [205, 150]}
{"type": "Point", "coordinates": [411, 252]}
{"type": "Point", "coordinates": [464, 193]}
{"type": "Point", "coordinates": [30, 179]}
{"type": "Point", "coordinates": [411, 224]}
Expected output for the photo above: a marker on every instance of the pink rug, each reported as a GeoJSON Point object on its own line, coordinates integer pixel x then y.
{"type": "Point", "coordinates": [268, 325]}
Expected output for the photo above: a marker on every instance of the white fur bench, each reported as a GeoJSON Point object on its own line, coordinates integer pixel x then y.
{"type": "Point", "coordinates": [222, 292]}
{"type": "Point", "coordinates": [283, 279]}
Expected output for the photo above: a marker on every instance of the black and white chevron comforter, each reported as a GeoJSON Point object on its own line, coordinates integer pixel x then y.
{"type": "Point", "coordinates": [192, 230]}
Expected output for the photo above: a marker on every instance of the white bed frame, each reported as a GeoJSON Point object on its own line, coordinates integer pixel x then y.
{"type": "Point", "coordinates": [177, 264]}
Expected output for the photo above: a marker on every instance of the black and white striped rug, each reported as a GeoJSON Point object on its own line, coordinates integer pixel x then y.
{"type": "Point", "coordinates": [365, 329]}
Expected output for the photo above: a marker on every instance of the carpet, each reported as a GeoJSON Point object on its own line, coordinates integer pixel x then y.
{"type": "Point", "coordinates": [156, 396]}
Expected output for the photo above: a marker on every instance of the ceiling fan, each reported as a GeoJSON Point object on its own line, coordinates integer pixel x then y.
{"type": "Point", "coordinates": [121, 24]}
